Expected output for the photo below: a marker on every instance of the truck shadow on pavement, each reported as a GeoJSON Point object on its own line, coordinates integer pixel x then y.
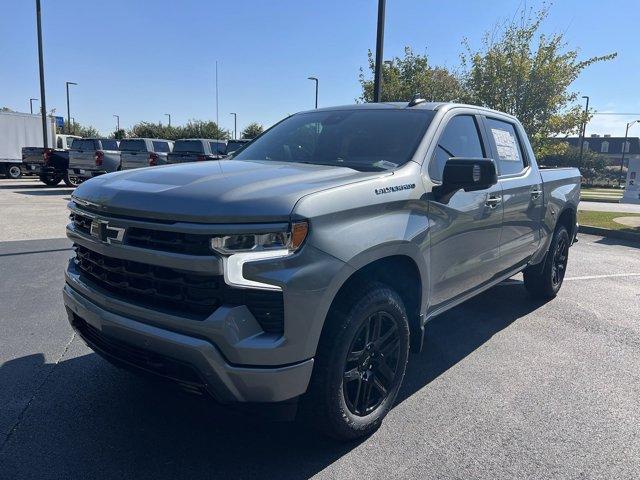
{"type": "Point", "coordinates": [91, 420]}
{"type": "Point", "coordinates": [50, 192]}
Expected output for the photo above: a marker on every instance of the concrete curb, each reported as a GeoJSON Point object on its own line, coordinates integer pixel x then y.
{"type": "Point", "coordinates": [605, 232]}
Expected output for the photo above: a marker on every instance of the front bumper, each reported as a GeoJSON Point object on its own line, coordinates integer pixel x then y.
{"type": "Point", "coordinates": [189, 360]}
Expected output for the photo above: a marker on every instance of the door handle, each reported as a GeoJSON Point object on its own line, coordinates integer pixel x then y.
{"type": "Point", "coordinates": [535, 192]}
{"type": "Point", "coordinates": [493, 201]}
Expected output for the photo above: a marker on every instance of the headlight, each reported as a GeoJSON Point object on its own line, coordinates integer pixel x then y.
{"type": "Point", "coordinates": [289, 241]}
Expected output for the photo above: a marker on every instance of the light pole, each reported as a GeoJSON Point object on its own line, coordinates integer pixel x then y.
{"type": "Point", "coordinates": [117, 123]}
{"type": "Point", "coordinates": [315, 80]}
{"type": "Point", "coordinates": [31, 104]}
{"type": "Point", "coordinates": [624, 147]}
{"type": "Point", "coordinates": [235, 125]}
{"type": "Point", "coordinates": [584, 128]}
{"type": "Point", "coordinates": [69, 109]}
{"type": "Point", "coordinates": [377, 77]}
{"type": "Point", "coordinates": [43, 102]}
{"type": "Point", "coordinates": [168, 115]}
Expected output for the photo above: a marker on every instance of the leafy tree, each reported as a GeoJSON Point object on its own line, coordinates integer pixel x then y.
{"type": "Point", "coordinates": [521, 71]}
{"type": "Point", "coordinates": [252, 130]}
{"type": "Point", "coordinates": [81, 130]}
{"type": "Point", "coordinates": [592, 166]}
{"type": "Point", "coordinates": [6, 109]}
{"type": "Point", "coordinates": [193, 129]}
{"type": "Point", "coordinates": [204, 129]}
{"type": "Point", "coordinates": [404, 78]}
{"type": "Point", "coordinates": [119, 134]}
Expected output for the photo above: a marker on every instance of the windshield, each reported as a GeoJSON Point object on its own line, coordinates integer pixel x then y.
{"type": "Point", "coordinates": [188, 146]}
{"type": "Point", "coordinates": [376, 139]}
{"type": "Point", "coordinates": [133, 146]}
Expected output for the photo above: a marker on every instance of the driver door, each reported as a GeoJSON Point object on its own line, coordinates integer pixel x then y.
{"type": "Point", "coordinates": [465, 230]}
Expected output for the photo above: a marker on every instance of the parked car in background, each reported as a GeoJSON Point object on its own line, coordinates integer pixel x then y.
{"type": "Point", "coordinates": [235, 145]}
{"type": "Point", "coordinates": [197, 149]}
{"type": "Point", "coordinates": [90, 157]}
{"type": "Point", "coordinates": [50, 164]}
{"type": "Point", "coordinates": [19, 130]}
{"type": "Point", "coordinates": [308, 265]}
{"type": "Point", "coordinates": [144, 152]}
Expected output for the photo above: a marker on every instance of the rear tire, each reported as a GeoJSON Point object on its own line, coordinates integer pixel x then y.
{"type": "Point", "coordinates": [51, 181]}
{"type": "Point", "coordinates": [544, 281]}
{"type": "Point", "coordinates": [13, 172]}
{"type": "Point", "coordinates": [69, 181]}
{"type": "Point", "coordinates": [360, 364]}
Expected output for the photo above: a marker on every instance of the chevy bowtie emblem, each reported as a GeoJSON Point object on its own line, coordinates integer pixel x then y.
{"type": "Point", "coordinates": [101, 230]}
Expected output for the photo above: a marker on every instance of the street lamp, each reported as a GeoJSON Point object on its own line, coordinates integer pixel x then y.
{"type": "Point", "coordinates": [117, 123]}
{"type": "Point", "coordinates": [168, 115]}
{"type": "Point", "coordinates": [377, 77]}
{"type": "Point", "coordinates": [235, 125]}
{"type": "Point", "coordinates": [31, 104]}
{"type": "Point", "coordinates": [624, 147]}
{"type": "Point", "coordinates": [584, 128]}
{"type": "Point", "coordinates": [43, 102]}
{"type": "Point", "coordinates": [69, 109]}
{"type": "Point", "coordinates": [315, 80]}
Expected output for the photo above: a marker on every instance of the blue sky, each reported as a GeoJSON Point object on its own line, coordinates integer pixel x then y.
{"type": "Point", "coordinates": [141, 59]}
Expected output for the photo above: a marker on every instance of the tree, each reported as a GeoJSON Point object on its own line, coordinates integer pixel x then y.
{"type": "Point", "coordinates": [75, 128]}
{"type": "Point", "coordinates": [252, 130]}
{"type": "Point", "coordinates": [193, 129]}
{"type": "Point", "coordinates": [6, 109]}
{"type": "Point", "coordinates": [404, 78]}
{"type": "Point", "coordinates": [204, 129]}
{"type": "Point", "coordinates": [119, 134]}
{"type": "Point", "coordinates": [592, 166]}
{"type": "Point", "coordinates": [526, 73]}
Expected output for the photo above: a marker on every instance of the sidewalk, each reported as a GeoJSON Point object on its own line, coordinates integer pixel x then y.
{"type": "Point", "coordinates": [609, 207]}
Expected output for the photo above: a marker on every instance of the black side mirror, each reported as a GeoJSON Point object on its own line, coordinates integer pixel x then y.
{"type": "Point", "coordinates": [468, 174]}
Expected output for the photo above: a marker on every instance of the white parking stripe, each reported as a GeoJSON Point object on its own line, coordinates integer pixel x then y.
{"type": "Point", "coordinates": [591, 277]}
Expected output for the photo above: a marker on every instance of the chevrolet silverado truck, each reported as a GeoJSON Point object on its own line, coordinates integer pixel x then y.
{"type": "Point", "coordinates": [306, 267]}
{"type": "Point", "coordinates": [50, 164]}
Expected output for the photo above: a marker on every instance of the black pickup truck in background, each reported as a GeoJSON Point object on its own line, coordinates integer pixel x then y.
{"type": "Point", "coordinates": [50, 164]}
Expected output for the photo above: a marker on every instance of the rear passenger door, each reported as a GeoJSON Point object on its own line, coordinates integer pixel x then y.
{"type": "Point", "coordinates": [465, 230]}
{"type": "Point", "coordinates": [522, 197]}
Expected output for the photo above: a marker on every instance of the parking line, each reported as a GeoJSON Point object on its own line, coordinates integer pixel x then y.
{"type": "Point", "coordinates": [592, 277]}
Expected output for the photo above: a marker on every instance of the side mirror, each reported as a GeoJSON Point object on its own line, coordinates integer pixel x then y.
{"type": "Point", "coordinates": [468, 174]}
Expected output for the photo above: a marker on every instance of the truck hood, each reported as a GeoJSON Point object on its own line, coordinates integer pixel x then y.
{"type": "Point", "coordinates": [225, 191]}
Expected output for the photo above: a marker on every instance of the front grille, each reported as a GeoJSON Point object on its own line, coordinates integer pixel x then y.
{"type": "Point", "coordinates": [175, 291]}
{"type": "Point", "coordinates": [81, 222]}
{"type": "Point", "coordinates": [137, 357]}
{"type": "Point", "coordinates": [176, 242]}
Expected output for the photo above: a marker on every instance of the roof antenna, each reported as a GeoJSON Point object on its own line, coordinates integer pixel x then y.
{"type": "Point", "coordinates": [416, 100]}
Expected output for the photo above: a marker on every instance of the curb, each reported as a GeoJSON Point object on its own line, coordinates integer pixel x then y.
{"type": "Point", "coordinates": [605, 232]}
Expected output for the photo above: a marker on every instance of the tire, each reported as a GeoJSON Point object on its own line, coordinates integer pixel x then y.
{"type": "Point", "coordinates": [360, 364]}
{"type": "Point", "coordinates": [69, 182]}
{"type": "Point", "coordinates": [13, 172]}
{"type": "Point", "coordinates": [51, 181]}
{"type": "Point", "coordinates": [544, 281]}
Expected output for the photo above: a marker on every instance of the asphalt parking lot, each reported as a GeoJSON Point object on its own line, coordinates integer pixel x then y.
{"type": "Point", "coordinates": [506, 387]}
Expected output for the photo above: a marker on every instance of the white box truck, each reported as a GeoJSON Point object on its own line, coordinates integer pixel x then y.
{"type": "Point", "coordinates": [19, 130]}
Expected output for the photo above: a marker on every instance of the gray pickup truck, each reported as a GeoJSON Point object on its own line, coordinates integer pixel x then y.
{"type": "Point", "coordinates": [306, 267]}
{"type": "Point", "coordinates": [90, 157]}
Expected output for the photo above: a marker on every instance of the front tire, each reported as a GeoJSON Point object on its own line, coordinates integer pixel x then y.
{"type": "Point", "coordinates": [360, 364]}
{"type": "Point", "coordinates": [544, 281]}
{"type": "Point", "coordinates": [70, 181]}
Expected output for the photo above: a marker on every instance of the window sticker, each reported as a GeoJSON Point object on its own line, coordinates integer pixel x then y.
{"type": "Point", "coordinates": [506, 145]}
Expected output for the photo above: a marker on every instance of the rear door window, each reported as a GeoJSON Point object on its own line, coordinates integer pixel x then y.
{"type": "Point", "coordinates": [460, 139]}
{"type": "Point", "coordinates": [506, 145]}
{"type": "Point", "coordinates": [160, 147]}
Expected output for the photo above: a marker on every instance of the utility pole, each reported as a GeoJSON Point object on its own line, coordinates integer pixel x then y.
{"type": "Point", "coordinates": [316, 80]}
{"type": "Point", "coordinates": [43, 102]}
{"type": "Point", "coordinates": [169, 115]}
{"type": "Point", "coordinates": [584, 128]}
{"type": "Point", "coordinates": [217, 111]}
{"type": "Point", "coordinates": [624, 148]}
{"type": "Point", "coordinates": [69, 109]}
{"type": "Point", "coordinates": [117, 123]}
{"type": "Point", "coordinates": [31, 104]}
{"type": "Point", "coordinates": [377, 78]}
{"type": "Point", "coordinates": [235, 125]}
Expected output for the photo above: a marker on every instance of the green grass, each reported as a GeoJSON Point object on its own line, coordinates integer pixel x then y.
{"type": "Point", "coordinates": [605, 220]}
{"type": "Point", "coordinates": [612, 195]}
